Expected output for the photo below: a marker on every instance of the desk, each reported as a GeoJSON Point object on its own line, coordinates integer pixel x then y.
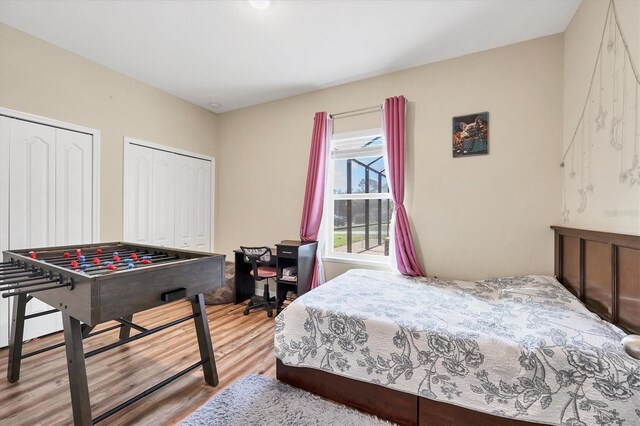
{"type": "Point", "coordinates": [289, 253]}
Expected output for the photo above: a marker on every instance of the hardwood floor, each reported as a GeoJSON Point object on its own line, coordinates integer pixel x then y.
{"type": "Point", "coordinates": [242, 345]}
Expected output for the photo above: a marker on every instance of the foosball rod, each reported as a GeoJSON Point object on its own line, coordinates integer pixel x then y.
{"type": "Point", "coordinates": [13, 283]}
{"type": "Point", "coordinates": [36, 290]}
{"type": "Point", "coordinates": [16, 266]}
{"type": "Point", "coordinates": [60, 260]}
{"type": "Point", "coordinates": [72, 253]}
{"type": "Point", "coordinates": [20, 273]}
{"type": "Point", "coordinates": [26, 284]}
{"type": "Point", "coordinates": [41, 276]}
{"type": "Point", "coordinates": [14, 274]}
{"type": "Point", "coordinates": [67, 262]}
{"type": "Point", "coordinates": [94, 248]}
{"type": "Point", "coordinates": [89, 259]}
{"type": "Point", "coordinates": [94, 267]}
{"type": "Point", "coordinates": [152, 257]}
{"type": "Point", "coordinates": [23, 267]}
{"type": "Point", "coordinates": [123, 267]}
{"type": "Point", "coordinates": [13, 266]}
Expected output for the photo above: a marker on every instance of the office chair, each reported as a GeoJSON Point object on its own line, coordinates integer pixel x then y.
{"type": "Point", "coordinates": [257, 256]}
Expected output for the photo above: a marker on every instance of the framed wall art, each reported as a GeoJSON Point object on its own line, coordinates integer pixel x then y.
{"type": "Point", "coordinates": [470, 134]}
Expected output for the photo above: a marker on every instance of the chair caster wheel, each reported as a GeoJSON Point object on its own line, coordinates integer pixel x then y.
{"type": "Point", "coordinates": [246, 311]}
{"type": "Point", "coordinates": [270, 313]}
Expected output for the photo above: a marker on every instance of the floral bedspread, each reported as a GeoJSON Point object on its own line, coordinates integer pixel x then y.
{"type": "Point", "coordinates": [520, 347]}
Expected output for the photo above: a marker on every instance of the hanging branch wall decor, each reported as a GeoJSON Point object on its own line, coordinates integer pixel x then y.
{"type": "Point", "coordinates": [613, 93]}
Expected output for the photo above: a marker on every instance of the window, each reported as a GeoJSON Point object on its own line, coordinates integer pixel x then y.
{"type": "Point", "coordinates": [358, 199]}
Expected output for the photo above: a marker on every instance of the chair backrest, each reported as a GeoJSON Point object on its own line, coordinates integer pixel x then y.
{"type": "Point", "coordinates": [255, 255]}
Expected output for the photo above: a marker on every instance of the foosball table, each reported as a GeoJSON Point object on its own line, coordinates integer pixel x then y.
{"type": "Point", "coordinates": [96, 283]}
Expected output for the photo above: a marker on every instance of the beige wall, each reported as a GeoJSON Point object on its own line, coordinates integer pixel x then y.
{"type": "Point", "coordinates": [472, 217]}
{"type": "Point", "coordinates": [613, 206]}
{"type": "Point", "coordinates": [42, 79]}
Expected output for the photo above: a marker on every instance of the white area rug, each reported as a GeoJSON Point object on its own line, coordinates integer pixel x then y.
{"type": "Point", "coordinates": [258, 400]}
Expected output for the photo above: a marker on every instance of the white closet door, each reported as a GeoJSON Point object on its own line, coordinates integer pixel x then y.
{"type": "Point", "coordinates": [32, 193]}
{"type": "Point", "coordinates": [73, 187]}
{"type": "Point", "coordinates": [4, 322]}
{"type": "Point", "coordinates": [185, 202]}
{"type": "Point", "coordinates": [139, 193]}
{"type": "Point", "coordinates": [32, 185]}
{"type": "Point", "coordinates": [5, 134]}
{"type": "Point", "coordinates": [4, 220]}
{"type": "Point", "coordinates": [162, 213]}
{"type": "Point", "coordinates": [167, 197]}
{"type": "Point", "coordinates": [202, 205]}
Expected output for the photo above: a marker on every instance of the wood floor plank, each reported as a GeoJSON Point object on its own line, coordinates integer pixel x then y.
{"type": "Point", "coordinates": [242, 345]}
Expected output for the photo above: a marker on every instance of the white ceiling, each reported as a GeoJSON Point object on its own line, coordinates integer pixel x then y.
{"type": "Point", "coordinates": [230, 53]}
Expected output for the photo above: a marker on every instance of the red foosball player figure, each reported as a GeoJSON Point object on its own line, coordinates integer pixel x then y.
{"type": "Point", "coordinates": [96, 261]}
{"type": "Point", "coordinates": [134, 256]}
{"type": "Point", "coordinates": [33, 255]}
{"type": "Point", "coordinates": [99, 251]}
{"type": "Point", "coordinates": [66, 255]}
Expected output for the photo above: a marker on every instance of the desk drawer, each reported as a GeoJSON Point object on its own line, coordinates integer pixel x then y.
{"type": "Point", "coordinates": [290, 252]}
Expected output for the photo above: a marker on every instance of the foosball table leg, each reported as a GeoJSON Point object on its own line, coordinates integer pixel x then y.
{"type": "Point", "coordinates": [125, 330]}
{"type": "Point", "coordinates": [204, 340]}
{"type": "Point", "coordinates": [15, 338]}
{"type": "Point", "coordinates": [78, 385]}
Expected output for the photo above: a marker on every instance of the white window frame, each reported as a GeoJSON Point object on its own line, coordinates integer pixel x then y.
{"type": "Point", "coordinates": [330, 198]}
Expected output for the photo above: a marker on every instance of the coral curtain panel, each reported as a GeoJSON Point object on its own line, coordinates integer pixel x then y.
{"type": "Point", "coordinates": [394, 132]}
{"type": "Point", "coordinates": [314, 193]}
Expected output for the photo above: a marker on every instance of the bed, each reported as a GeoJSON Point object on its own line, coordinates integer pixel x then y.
{"type": "Point", "coordinates": [512, 350]}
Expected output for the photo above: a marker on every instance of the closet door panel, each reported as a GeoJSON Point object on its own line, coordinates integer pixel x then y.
{"type": "Point", "coordinates": [74, 187]}
{"type": "Point", "coordinates": [139, 195]}
{"type": "Point", "coordinates": [32, 149]}
{"type": "Point", "coordinates": [168, 198]}
{"type": "Point", "coordinates": [4, 322]}
{"type": "Point", "coordinates": [202, 205]}
{"type": "Point", "coordinates": [163, 212]}
{"type": "Point", "coordinates": [5, 133]}
{"type": "Point", "coordinates": [32, 185]}
{"type": "Point", "coordinates": [185, 201]}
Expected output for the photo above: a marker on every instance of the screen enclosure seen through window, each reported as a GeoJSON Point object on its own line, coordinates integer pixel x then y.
{"type": "Point", "coordinates": [359, 203]}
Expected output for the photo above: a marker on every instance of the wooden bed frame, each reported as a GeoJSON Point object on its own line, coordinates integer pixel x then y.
{"type": "Point", "coordinates": [602, 269]}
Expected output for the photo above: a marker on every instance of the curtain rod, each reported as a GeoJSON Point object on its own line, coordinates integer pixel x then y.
{"type": "Point", "coordinates": [355, 112]}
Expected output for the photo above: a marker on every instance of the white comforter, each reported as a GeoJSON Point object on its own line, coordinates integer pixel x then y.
{"type": "Point", "coordinates": [520, 347]}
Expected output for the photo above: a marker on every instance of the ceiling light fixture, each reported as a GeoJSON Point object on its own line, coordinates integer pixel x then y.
{"type": "Point", "coordinates": [260, 4]}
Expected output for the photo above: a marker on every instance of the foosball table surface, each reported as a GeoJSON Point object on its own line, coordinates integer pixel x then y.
{"type": "Point", "coordinates": [105, 281]}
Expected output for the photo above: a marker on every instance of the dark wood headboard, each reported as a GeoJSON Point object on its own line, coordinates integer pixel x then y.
{"type": "Point", "coordinates": [603, 270]}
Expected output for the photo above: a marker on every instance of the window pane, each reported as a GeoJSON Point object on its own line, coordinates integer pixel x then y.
{"type": "Point", "coordinates": [362, 226]}
{"type": "Point", "coordinates": [374, 142]}
{"type": "Point", "coordinates": [363, 175]}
